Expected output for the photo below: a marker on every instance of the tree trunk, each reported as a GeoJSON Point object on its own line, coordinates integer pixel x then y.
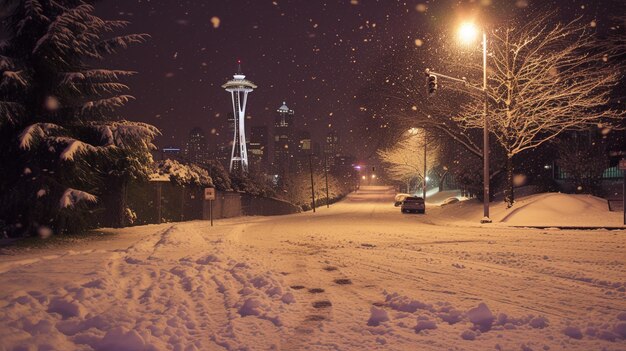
{"type": "Point", "coordinates": [122, 205]}
{"type": "Point", "coordinates": [509, 195]}
{"type": "Point", "coordinates": [442, 180]}
{"type": "Point", "coordinates": [115, 203]}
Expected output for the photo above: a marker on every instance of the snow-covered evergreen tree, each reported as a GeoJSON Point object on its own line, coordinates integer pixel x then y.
{"type": "Point", "coordinates": [58, 131]}
{"type": "Point", "coordinates": [181, 174]}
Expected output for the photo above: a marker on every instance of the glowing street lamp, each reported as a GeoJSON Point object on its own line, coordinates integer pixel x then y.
{"type": "Point", "coordinates": [467, 34]}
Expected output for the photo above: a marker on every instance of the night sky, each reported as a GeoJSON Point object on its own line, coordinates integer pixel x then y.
{"type": "Point", "coordinates": [312, 54]}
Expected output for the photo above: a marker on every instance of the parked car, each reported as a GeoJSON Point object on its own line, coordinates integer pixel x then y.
{"type": "Point", "coordinates": [399, 198]}
{"type": "Point", "coordinates": [413, 204]}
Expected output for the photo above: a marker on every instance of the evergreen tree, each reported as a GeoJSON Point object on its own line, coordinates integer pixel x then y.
{"type": "Point", "coordinates": [58, 131]}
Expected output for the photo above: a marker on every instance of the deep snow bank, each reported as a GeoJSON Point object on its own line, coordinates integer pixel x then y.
{"type": "Point", "coordinates": [544, 209]}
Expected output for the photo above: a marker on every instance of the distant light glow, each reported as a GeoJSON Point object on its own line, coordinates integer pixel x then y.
{"type": "Point", "coordinates": [373, 176]}
{"type": "Point", "coordinates": [363, 177]}
{"type": "Point", "coordinates": [468, 32]}
{"type": "Point", "coordinates": [357, 167]}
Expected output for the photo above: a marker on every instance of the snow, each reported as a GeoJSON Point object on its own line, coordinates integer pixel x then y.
{"type": "Point", "coordinates": [270, 283]}
{"type": "Point", "coordinates": [377, 316]}
{"type": "Point", "coordinates": [481, 317]}
{"type": "Point", "coordinates": [543, 209]}
{"type": "Point", "coordinates": [71, 197]}
{"type": "Point", "coordinates": [33, 131]}
{"type": "Point", "coordinates": [73, 147]}
{"type": "Point", "coordinates": [172, 170]}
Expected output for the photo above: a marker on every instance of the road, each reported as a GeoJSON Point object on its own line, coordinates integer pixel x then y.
{"type": "Point", "coordinates": [356, 276]}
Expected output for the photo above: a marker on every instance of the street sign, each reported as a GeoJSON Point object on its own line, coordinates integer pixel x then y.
{"type": "Point", "coordinates": [622, 164]}
{"type": "Point", "coordinates": [209, 193]}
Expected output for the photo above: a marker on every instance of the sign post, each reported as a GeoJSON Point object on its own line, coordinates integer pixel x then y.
{"type": "Point", "coordinates": [209, 194]}
{"type": "Point", "coordinates": [622, 167]}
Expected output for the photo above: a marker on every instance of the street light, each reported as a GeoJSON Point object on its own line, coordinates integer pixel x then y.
{"type": "Point", "coordinates": [468, 33]}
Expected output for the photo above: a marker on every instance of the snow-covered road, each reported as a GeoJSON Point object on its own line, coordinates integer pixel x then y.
{"type": "Point", "coordinates": [357, 276]}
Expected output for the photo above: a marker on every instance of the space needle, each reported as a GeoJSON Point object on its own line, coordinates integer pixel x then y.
{"type": "Point", "coordinates": [239, 87]}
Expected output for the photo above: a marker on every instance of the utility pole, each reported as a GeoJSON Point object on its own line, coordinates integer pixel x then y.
{"type": "Point", "coordinates": [312, 185]}
{"type": "Point", "coordinates": [432, 87]}
{"type": "Point", "coordinates": [425, 169]}
{"type": "Point", "coordinates": [326, 176]}
{"type": "Point", "coordinates": [486, 150]}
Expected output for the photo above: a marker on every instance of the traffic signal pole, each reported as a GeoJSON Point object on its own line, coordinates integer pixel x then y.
{"type": "Point", "coordinates": [432, 88]}
{"type": "Point", "coordinates": [486, 150]}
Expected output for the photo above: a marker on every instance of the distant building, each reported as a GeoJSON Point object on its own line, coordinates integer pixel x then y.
{"type": "Point", "coordinates": [284, 146]}
{"type": "Point", "coordinates": [239, 88]}
{"type": "Point", "coordinates": [345, 161]}
{"type": "Point", "coordinates": [331, 148]}
{"type": "Point", "coordinates": [303, 150]}
{"type": "Point", "coordinates": [258, 148]}
{"type": "Point", "coordinates": [196, 148]}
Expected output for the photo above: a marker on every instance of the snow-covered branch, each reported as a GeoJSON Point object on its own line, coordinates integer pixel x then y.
{"type": "Point", "coordinates": [182, 174]}
{"type": "Point", "coordinates": [544, 80]}
{"type": "Point", "coordinates": [36, 132]}
{"type": "Point", "coordinates": [405, 160]}
{"type": "Point", "coordinates": [71, 197]}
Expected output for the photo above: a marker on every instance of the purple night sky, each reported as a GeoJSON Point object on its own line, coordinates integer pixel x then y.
{"type": "Point", "coordinates": [312, 54]}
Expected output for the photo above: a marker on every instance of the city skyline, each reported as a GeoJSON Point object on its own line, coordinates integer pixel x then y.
{"type": "Point", "coordinates": [320, 67]}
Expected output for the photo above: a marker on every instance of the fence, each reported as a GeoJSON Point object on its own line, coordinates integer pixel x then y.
{"type": "Point", "coordinates": [230, 204]}
{"type": "Point", "coordinates": [177, 203]}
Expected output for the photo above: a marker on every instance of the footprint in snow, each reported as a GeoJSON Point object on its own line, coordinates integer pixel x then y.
{"type": "Point", "coordinates": [322, 304]}
{"type": "Point", "coordinates": [315, 318]}
{"type": "Point", "coordinates": [343, 281]}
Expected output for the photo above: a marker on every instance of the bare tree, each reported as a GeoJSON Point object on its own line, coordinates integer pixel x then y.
{"type": "Point", "coordinates": [405, 159]}
{"type": "Point", "coordinates": [544, 79]}
{"type": "Point", "coordinates": [583, 158]}
{"type": "Point", "coordinates": [395, 99]}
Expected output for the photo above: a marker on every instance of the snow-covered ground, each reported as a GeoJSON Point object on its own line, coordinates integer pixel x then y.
{"type": "Point", "coordinates": [543, 209]}
{"type": "Point", "coordinates": [357, 276]}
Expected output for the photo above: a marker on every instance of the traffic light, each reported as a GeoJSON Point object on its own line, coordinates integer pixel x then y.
{"type": "Point", "coordinates": [432, 84]}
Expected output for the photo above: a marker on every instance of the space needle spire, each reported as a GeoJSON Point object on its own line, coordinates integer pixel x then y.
{"type": "Point", "coordinates": [239, 88]}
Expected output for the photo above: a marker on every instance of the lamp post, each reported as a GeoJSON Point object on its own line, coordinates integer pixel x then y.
{"type": "Point", "coordinates": [326, 178]}
{"type": "Point", "coordinates": [312, 184]}
{"type": "Point", "coordinates": [468, 33]}
{"type": "Point", "coordinates": [425, 170]}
